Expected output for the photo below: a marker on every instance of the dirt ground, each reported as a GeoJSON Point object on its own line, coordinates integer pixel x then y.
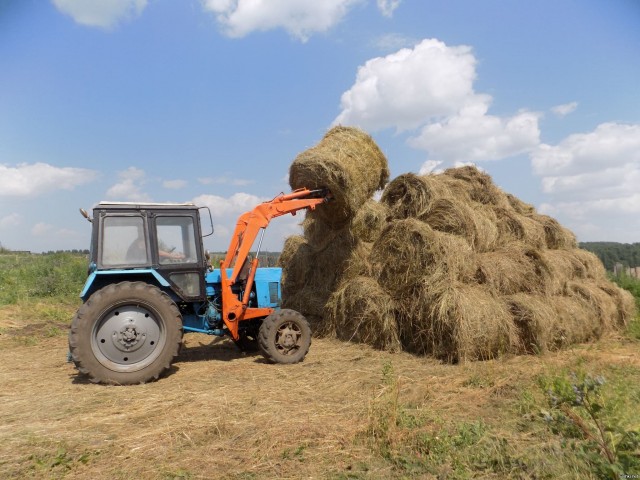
{"type": "Point", "coordinates": [223, 414]}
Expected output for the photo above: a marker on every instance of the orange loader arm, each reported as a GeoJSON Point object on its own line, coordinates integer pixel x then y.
{"type": "Point", "coordinates": [247, 228]}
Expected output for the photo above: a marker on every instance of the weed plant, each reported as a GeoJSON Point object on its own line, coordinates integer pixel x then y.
{"type": "Point", "coordinates": [590, 422]}
{"type": "Point", "coordinates": [28, 277]}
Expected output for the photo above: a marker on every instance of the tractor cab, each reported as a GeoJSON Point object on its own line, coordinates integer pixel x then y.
{"type": "Point", "coordinates": [160, 242]}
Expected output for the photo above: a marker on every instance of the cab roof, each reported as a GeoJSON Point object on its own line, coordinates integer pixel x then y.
{"type": "Point", "coordinates": [145, 205]}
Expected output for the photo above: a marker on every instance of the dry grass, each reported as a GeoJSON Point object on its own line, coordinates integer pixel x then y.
{"type": "Point", "coordinates": [222, 414]}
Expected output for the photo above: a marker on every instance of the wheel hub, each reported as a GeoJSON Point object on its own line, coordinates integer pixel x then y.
{"type": "Point", "coordinates": [287, 338]}
{"type": "Point", "coordinates": [127, 337]}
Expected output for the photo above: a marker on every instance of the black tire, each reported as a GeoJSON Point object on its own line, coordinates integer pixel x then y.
{"type": "Point", "coordinates": [284, 337]}
{"type": "Point", "coordinates": [126, 333]}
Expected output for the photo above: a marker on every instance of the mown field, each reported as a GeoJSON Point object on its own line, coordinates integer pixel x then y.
{"type": "Point", "coordinates": [347, 412]}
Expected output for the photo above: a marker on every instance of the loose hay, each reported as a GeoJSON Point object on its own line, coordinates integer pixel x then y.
{"type": "Point", "coordinates": [409, 250]}
{"type": "Point", "coordinates": [556, 235]}
{"type": "Point", "coordinates": [511, 269]}
{"type": "Point", "coordinates": [410, 195]}
{"type": "Point", "coordinates": [361, 311]}
{"type": "Point", "coordinates": [349, 163]}
{"type": "Point", "coordinates": [457, 322]}
{"type": "Point", "coordinates": [369, 221]}
{"type": "Point", "coordinates": [296, 266]}
{"type": "Point", "coordinates": [513, 226]}
{"type": "Point", "coordinates": [534, 317]}
{"type": "Point", "coordinates": [481, 186]}
{"type": "Point", "coordinates": [476, 225]}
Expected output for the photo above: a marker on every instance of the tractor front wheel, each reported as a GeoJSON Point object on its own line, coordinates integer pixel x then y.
{"type": "Point", "coordinates": [284, 337]}
{"type": "Point", "coordinates": [126, 333]}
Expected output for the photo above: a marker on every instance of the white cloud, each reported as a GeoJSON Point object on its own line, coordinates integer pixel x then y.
{"type": "Point", "coordinates": [174, 184]}
{"type": "Point", "coordinates": [592, 179]}
{"type": "Point", "coordinates": [472, 135]}
{"type": "Point", "coordinates": [407, 88]}
{"type": "Point", "coordinates": [393, 41]}
{"type": "Point", "coordinates": [129, 187]}
{"type": "Point", "coordinates": [430, 166]}
{"type": "Point", "coordinates": [235, 204]}
{"type": "Point", "coordinates": [27, 180]}
{"type": "Point", "coordinates": [11, 220]}
{"type": "Point", "coordinates": [100, 13]}
{"type": "Point", "coordinates": [609, 145]}
{"type": "Point", "coordinates": [224, 180]}
{"type": "Point", "coordinates": [564, 109]}
{"type": "Point", "coordinates": [299, 18]}
{"type": "Point", "coordinates": [41, 229]}
{"type": "Point", "coordinates": [387, 7]}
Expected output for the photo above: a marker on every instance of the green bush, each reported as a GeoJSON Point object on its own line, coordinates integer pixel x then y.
{"type": "Point", "coordinates": [26, 277]}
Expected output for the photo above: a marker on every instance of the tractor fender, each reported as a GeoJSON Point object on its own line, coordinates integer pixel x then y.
{"type": "Point", "coordinates": [102, 278]}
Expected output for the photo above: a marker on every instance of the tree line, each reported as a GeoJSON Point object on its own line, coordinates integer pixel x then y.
{"type": "Point", "coordinates": [610, 253]}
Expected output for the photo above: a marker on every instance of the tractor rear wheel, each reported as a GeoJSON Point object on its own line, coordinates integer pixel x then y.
{"type": "Point", "coordinates": [126, 333]}
{"type": "Point", "coordinates": [284, 337]}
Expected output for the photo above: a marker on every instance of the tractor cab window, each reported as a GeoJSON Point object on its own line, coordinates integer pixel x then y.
{"type": "Point", "coordinates": [176, 240]}
{"type": "Point", "coordinates": [124, 241]}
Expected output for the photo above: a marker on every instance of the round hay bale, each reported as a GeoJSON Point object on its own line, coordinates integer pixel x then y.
{"type": "Point", "coordinates": [534, 318]}
{"type": "Point", "coordinates": [358, 262]}
{"type": "Point", "coordinates": [623, 299]}
{"type": "Point", "coordinates": [576, 322]}
{"type": "Point", "coordinates": [449, 215]}
{"type": "Point", "coordinates": [320, 234]}
{"type": "Point", "coordinates": [512, 227]}
{"type": "Point", "coordinates": [409, 195]}
{"type": "Point", "coordinates": [510, 270]}
{"type": "Point", "coordinates": [556, 235]}
{"type": "Point", "coordinates": [369, 221]}
{"type": "Point", "coordinates": [295, 261]}
{"type": "Point", "coordinates": [563, 266]}
{"type": "Point", "coordinates": [409, 250]}
{"type": "Point", "coordinates": [481, 186]}
{"type": "Point", "coordinates": [349, 163]}
{"type": "Point", "coordinates": [457, 322]}
{"type": "Point", "coordinates": [361, 311]}
{"type": "Point", "coordinates": [519, 206]}
{"type": "Point", "coordinates": [310, 301]}
{"type": "Point", "coordinates": [593, 267]}
{"type": "Point", "coordinates": [602, 305]}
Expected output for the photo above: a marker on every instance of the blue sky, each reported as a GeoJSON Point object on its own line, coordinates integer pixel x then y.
{"type": "Point", "coordinates": [210, 101]}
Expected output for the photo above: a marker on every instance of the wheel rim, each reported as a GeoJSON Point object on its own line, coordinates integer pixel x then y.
{"type": "Point", "coordinates": [288, 338]}
{"type": "Point", "coordinates": [128, 338]}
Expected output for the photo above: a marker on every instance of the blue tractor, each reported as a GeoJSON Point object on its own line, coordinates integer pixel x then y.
{"type": "Point", "coordinates": [150, 281]}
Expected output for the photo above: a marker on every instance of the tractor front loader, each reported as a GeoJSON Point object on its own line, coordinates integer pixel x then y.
{"type": "Point", "coordinates": [150, 281]}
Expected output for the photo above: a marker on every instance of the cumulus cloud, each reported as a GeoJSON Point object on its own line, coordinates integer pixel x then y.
{"type": "Point", "coordinates": [393, 41]}
{"type": "Point", "coordinates": [26, 180]}
{"type": "Point", "coordinates": [299, 18]}
{"type": "Point", "coordinates": [225, 180]}
{"type": "Point", "coordinates": [564, 109]}
{"type": "Point", "coordinates": [387, 7]}
{"type": "Point", "coordinates": [430, 166]}
{"type": "Point", "coordinates": [228, 206]}
{"type": "Point", "coordinates": [174, 184]}
{"type": "Point", "coordinates": [428, 92]}
{"type": "Point", "coordinates": [101, 13]}
{"type": "Point", "coordinates": [129, 186]}
{"type": "Point", "coordinates": [472, 135]}
{"type": "Point", "coordinates": [591, 176]}
{"type": "Point", "coordinates": [407, 88]}
{"type": "Point", "coordinates": [11, 220]}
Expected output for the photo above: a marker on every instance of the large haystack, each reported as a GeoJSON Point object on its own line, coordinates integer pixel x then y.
{"type": "Point", "coordinates": [446, 265]}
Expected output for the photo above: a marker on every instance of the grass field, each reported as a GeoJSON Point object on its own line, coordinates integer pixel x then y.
{"type": "Point", "coordinates": [346, 412]}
